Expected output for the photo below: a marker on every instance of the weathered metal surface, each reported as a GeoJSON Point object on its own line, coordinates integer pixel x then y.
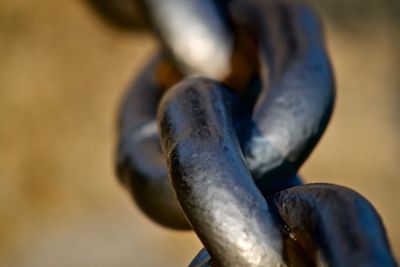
{"type": "Point", "coordinates": [210, 176]}
{"type": "Point", "coordinates": [333, 225]}
{"type": "Point", "coordinates": [279, 128]}
{"type": "Point", "coordinates": [297, 91]}
{"type": "Point", "coordinates": [233, 153]}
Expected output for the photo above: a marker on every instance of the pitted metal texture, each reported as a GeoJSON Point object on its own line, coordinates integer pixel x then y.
{"type": "Point", "coordinates": [213, 132]}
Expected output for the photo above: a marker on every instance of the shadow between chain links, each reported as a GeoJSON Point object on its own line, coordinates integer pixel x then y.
{"type": "Point", "coordinates": [278, 120]}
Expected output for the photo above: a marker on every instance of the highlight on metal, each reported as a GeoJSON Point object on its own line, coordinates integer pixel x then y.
{"type": "Point", "coordinates": [213, 131]}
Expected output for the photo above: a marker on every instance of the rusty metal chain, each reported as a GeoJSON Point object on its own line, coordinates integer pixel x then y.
{"type": "Point", "coordinates": [229, 110]}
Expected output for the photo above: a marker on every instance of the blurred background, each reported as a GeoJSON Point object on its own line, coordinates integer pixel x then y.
{"type": "Point", "coordinates": [63, 71]}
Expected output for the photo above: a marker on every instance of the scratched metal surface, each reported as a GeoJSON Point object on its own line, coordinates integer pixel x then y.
{"type": "Point", "coordinates": [62, 74]}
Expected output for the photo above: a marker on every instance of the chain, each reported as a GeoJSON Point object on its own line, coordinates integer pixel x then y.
{"type": "Point", "coordinates": [229, 110]}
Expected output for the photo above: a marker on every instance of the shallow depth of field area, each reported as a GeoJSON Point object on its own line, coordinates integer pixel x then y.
{"type": "Point", "coordinates": [63, 72]}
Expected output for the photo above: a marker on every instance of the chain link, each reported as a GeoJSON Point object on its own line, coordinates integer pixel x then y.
{"type": "Point", "coordinates": [229, 110]}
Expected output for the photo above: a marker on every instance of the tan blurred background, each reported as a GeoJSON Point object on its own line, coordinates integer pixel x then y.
{"type": "Point", "coordinates": [62, 73]}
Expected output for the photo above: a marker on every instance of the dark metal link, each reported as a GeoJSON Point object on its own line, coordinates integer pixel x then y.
{"type": "Point", "coordinates": [233, 151]}
{"type": "Point", "coordinates": [333, 225]}
{"type": "Point", "coordinates": [296, 115]}
{"type": "Point", "coordinates": [327, 223]}
{"type": "Point", "coordinates": [297, 92]}
{"type": "Point", "coordinates": [210, 176]}
{"type": "Point", "coordinates": [141, 166]}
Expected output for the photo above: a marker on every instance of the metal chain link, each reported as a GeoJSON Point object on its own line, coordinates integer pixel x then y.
{"type": "Point", "coordinates": [230, 110]}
